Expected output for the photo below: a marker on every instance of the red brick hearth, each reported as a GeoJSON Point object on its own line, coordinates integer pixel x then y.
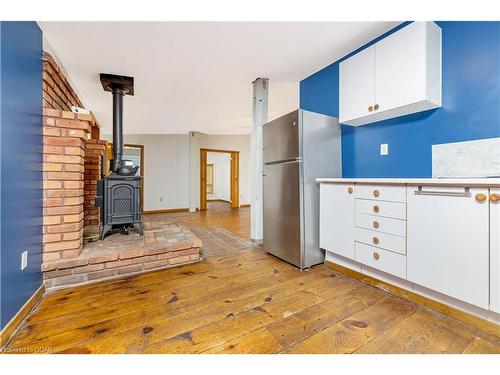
{"type": "Point", "coordinates": [163, 245]}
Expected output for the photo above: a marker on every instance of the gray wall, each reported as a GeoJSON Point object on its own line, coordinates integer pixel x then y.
{"type": "Point", "coordinates": [172, 170]}
{"type": "Point", "coordinates": [166, 169]}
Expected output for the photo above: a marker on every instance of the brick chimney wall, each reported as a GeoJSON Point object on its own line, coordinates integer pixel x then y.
{"type": "Point", "coordinates": [57, 91]}
{"type": "Point", "coordinates": [94, 152]}
{"type": "Point", "coordinates": [58, 95]}
{"type": "Point", "coordinates": [64, 135]}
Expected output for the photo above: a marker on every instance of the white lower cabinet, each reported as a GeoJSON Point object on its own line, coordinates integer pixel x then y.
{"type": "Point", "coordinates": [336, 229]}
{"type": "Point", "coordinates": [495, 250]}
{"type": "Point", "coordinates": [448, 241]}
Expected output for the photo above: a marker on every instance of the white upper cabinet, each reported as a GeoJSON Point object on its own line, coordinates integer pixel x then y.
{"type": "Point", "coordinates": [357, 84]}
{"type": "Point", "coordinates": [397, 76]}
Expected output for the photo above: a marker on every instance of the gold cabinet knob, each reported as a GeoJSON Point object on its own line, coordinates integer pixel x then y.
{"type": "Point", "coordinates": [376, 208]}
{"type": "Point", "coordinates": [350, 190]}
{"type": "Point", "coordinates": [376, 193]}
{"type": "Point", "coordinates": [375, 224]}
{"type": "Point", "coordinates": [370, 108]}
{"type": "Point", "coordinates": [375, 240]}
{"type": "Point", "coordinates": [376, 107]}
{"type": "Point", "coordinates": [494, 197]}
{"type": "Point", "coordinates": [480, 197]}
{"type": "Point", "coordinates": [376, 256]}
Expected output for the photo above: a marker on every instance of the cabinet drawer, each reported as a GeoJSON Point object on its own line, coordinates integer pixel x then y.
{"type": "Point", "coordinates": [381, 224]}
{"type": "Point", "coordinates": [381, 192]}
{"type": "Point", "coordinates": [380, 208]}
{"type": "Point", "coordinates": [381, 240]}
{"type": "Point", "coordinates": [383, 260]}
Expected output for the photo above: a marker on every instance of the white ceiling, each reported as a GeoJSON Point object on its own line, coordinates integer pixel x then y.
{"type": "Point", "coordinates": [197, 75]}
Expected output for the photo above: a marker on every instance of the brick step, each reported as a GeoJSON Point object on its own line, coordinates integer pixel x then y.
{"type": "Point", "coordinates": [164, 244]}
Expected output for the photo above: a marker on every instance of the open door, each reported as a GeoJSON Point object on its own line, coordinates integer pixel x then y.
{"type": "Point", "coordinates": [234, 178]}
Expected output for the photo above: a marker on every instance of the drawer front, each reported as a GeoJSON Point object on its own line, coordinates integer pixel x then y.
{"type": "Point", "coordinates": [382, 224]}
{"type": "Point", "coordinates": [392, 263]}
{"type": "Point", "coordinates": [381, 240]}
{"type": "Point", "coordinates": [381, 192]}
{"type": "Point", "coordinates": [379, 208]}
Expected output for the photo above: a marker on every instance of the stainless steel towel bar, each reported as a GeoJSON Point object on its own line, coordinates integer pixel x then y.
{"type": "Point", "coordinates": [465, 193]}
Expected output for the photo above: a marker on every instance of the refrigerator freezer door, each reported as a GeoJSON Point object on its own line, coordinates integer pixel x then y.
{"type": "Point", "coordinates": [282, 230]}
{"type": "Point", "coordinates": [281, 138]}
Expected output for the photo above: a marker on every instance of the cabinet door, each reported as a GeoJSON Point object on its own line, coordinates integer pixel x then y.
{"type": "Point", "coordinates": [357, 85]}
{"type": "Point", "coordinates": [336, 232]}
{"type": "Point", "coordinates": [400, 63]}
{"type": "Point", "coordinates": [447, 242]}
{"type": "Point", "coordinates": [495, 250]}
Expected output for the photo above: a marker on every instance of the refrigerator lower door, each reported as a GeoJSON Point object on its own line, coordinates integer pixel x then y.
{"type": "Point", "coordinates": [281, 198]}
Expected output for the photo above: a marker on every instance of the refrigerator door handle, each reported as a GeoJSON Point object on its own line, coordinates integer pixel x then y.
{"type": "Point", "coordinates": [284, 161]}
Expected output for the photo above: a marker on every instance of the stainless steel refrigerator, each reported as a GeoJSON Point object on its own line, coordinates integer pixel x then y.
{"type": "Point", "coordinates": [297, 148]}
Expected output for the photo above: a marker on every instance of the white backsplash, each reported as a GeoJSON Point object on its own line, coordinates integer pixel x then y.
{"type": "Point", "coordinates": [480, 158]}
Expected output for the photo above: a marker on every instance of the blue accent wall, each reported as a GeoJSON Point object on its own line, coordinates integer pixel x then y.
{"type": "Point", "coordinates": [470, 106]}
{"type": "Point", "coordinates": [21, 164]}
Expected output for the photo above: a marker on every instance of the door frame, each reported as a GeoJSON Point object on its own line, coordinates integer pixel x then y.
{"type": "Point", "coordinates": [234, 179]}
{"type": "Point", "coordinates": [142, 169]}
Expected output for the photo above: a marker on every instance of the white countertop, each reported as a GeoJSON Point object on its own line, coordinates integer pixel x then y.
{"type": "Point", "coordinates": [489, 182]}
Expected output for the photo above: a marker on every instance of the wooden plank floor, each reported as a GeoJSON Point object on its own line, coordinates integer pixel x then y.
{"type": "Point", "coordinates": [219, 214]}
{"type": "Point", "coordinates": [239, 300]}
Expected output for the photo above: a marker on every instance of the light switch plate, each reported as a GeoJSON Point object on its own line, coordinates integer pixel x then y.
{"type": "Point", "coordinates": [24, 260]}
{"type": "Point", "coordinates": [384, 149]}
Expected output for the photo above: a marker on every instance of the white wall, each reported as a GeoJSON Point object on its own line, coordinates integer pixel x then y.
{"type": "Point", "coordinates": [166, 169]}
{"type": "Point", "coordinates": [222, 175]}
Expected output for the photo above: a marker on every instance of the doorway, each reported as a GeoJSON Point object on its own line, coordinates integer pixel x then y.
{"type": "Point", "coordinates": [135, 153]}
{"type": "Point", "coordinates": [214, 176]}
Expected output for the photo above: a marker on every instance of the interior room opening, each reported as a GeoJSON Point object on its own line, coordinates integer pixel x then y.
{"type": "Point", "coordinates": [218, 178]}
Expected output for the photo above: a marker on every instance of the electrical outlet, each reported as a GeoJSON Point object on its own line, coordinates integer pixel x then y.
{"type": "Point", "coordinates": [384, 149]}
{"type": "Point", "coordinates": [161, 199]}
{"type": "Point", "coordinates": [24, 260]}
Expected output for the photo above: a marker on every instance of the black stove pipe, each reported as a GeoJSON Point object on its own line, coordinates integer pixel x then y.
{"type": "Point", "coordinates": [118, 94]}
{"type": "Point", "coordinates": [119, 87]}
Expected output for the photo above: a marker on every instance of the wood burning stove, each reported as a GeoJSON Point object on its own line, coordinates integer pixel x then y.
{"type": "Point", "coordinates": [119, 194]}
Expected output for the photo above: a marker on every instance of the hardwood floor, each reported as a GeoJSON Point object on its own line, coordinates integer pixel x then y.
{"type": "Point", "coordinates": [218, 214]}
{"type": "Point", "coordinates": [239, 300]}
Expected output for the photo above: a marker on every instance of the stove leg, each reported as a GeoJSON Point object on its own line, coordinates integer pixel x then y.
{"type": "Point", "coordinates": [139, 228]}
{"type": "Point", "coordinates": [105, 229]}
